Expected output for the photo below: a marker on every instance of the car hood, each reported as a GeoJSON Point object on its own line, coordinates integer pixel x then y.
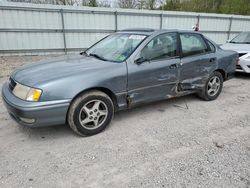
{"type": "Point", "coordinates": [240, 48]}
{"type": "Point", "coordinates": [59, 67]}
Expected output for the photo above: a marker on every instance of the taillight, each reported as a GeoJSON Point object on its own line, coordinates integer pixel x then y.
{"type": "Point", "coordinates": [237, 61]}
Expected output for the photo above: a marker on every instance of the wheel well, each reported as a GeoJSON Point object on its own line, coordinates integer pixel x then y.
{"type": "Point", "coordinates": [223, 73]}
{"type": "Point", "coordinates": [104, 90]}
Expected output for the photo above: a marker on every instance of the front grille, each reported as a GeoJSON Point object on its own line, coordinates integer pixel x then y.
{"type": "Point", "coordinates": [241, 54]}
{"type": "Point", "coordinates": [238, 67]}
{"type": "Point", "coordinates": [12, 84]}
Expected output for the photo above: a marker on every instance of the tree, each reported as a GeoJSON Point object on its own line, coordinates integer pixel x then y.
{"type": "Point", "coordinates": [104, 4]}
{"type": "Point", "coordinates": [217, 6]}
{"type": "Point", "coordinates": [241, 7]}
{"type": "Point", "coordinates": [127, 3]}
{"type": "Point", "coordinates": [171, 5]}
{"type": "Point", "coordinates": [151, 4]}
{"type": "Point", "coordinates": [141, 4]}
{"type": "Point", "coordinates": [93, 3]}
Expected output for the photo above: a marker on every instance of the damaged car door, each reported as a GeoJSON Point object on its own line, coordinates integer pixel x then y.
{"type": "Point", "coordinates": [154, 73]}
{"type": "Point", "coordinates": [198, 61]}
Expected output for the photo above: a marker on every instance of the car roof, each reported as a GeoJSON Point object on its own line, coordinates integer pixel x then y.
{"type": "Point", "coordinates": [149, 31]}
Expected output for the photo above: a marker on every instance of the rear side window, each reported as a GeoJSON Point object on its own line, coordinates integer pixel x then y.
{"type": "Point", "coordinates": [193, 44]}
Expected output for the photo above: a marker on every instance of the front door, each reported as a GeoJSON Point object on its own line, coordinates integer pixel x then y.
{"type": "Point", "coordinates": [154, 78]}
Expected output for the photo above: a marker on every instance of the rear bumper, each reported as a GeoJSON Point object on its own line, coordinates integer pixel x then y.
{"type": "Point", "coordinates": [39, 114]}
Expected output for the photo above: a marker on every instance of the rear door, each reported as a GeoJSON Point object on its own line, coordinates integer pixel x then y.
{"type": "Point", "coordinates": [198, 61]}
{"type": "Point", "coordinates": [156, 77]}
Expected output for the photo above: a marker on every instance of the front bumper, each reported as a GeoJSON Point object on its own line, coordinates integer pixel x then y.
{"type": "Point", "coordinates": [243, 66]}
{"type": "Point", "coordinates": [43, 113]}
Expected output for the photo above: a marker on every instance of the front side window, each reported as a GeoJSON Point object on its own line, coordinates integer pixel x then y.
{"type": "Point", "coordinates": [162, 46]}
{"type": "Point", "coordinates": [117, 47]}
{"type": "Point", "coordinates": [192, 44]}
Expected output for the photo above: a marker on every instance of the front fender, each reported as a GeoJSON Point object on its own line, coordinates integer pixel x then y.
{"type": "Point", "coordinates": [67, 88]}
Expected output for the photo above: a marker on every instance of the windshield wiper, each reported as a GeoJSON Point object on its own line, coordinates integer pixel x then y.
{"type": "Point", "coordinates": [83, 53]}
{"type": "Point", "coordinates": [240, 42]}
{"type": "Point", "coordinates": [97, 56]}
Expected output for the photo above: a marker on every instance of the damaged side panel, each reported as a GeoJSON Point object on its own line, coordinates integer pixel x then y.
{"type": "Point", "coordinates": [195, 70]}
{"type": "Point", "coordinates": [152, 81]}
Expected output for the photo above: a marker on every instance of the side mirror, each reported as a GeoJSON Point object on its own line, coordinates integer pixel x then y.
{"type": "Point", "coordinates": [228, 40]}
{"type": "Point", "coordinates": [140, 60]}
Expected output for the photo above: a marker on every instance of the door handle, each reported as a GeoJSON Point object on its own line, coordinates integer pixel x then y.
{"type": "Point", "coordinates": [173, 66]}
{"type": "Point", "coordinates": [212, 60]}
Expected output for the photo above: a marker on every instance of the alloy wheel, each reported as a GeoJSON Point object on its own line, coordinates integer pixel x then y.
{"type": "Point", "coordinates": [213, 86]}
{"type": "Point", "coordinates": [93, 114]}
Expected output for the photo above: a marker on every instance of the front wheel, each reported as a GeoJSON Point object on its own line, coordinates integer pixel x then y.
{"type": "Point", "coordinates": [213, 87]}
{"type": "Point", "coordinates": [90, 113]}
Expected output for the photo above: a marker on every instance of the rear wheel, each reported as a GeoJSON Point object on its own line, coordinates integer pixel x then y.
{"type": "Point", "coordinates": [90, 113]}
{"type": "Point", "coordinates": [213, 87]}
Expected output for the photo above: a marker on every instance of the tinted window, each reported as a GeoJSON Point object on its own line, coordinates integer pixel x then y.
{"type": "Point", "coordinates": [192, 44]}
{"type": "Point", "coordinates": [162, 46]}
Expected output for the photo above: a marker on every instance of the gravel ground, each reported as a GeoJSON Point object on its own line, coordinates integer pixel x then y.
{"type": "Point", "coordinates": [183, 142]}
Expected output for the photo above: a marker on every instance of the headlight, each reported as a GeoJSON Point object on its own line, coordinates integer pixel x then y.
{"type": "Point", "coordinates": [27, 93]}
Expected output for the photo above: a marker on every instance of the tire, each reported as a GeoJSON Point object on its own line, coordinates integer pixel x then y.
{"type": "Point", "coordinates": [90, 113]}
{"type": "Point", "coordinates": [206, 93]}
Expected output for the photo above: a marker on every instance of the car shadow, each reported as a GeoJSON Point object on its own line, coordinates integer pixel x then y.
{"type": "Point", "coordinates": [64, 131]}
{"type": "Point", "coordinates": [242, 75]}
{"type": "Point", "coordinates": [159, 106]}
{"type": "Point", "coordinates": [50, 132]}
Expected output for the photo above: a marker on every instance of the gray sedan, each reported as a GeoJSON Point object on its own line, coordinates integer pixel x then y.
{"type": "Point", "coordinates": [123, 70]}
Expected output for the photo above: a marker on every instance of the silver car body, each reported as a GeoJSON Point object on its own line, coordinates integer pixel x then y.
{"type": "Point", "coordinates": [244, 55]}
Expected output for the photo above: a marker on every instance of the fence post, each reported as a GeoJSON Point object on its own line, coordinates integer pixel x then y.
{"type": "Point", "coordinates": [161, 21]}
{"type": "Point", "coordinates": [63, 32]}
{"type": "Point", "coordinates": [116, 24]}
{"type": "Point", "coordinates": [198, 22]}
{"type": "Point", "coordinates": [229, 28]}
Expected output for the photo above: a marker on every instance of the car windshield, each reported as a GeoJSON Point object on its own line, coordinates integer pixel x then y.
{"type": "Point", "coordinates": [117, 47]}
{"type": "Point", "coordinates": [242, 38]}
